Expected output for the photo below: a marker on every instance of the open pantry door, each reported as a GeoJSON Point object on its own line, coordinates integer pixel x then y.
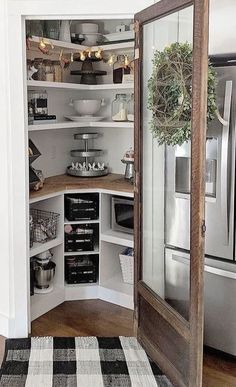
{"type": "Point", "coordinates": [171, 72]}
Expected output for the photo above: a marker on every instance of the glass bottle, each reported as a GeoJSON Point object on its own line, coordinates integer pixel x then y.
{"type": "Point", "coordinates": [30, 114]}
{"type": "Point", "coordinates": [57, 71]}
{"type": "Point", "coordinates": [120, 68]}
{"type": "Point", "coordinates": [40, 75]}
{"type": "Point", "coordinates": [130, 109]}
{"type": "Point", "coordinates": [119, 108]}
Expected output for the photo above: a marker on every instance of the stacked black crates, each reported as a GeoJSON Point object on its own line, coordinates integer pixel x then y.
{"type": "Point", "coordinates": [81, 237]}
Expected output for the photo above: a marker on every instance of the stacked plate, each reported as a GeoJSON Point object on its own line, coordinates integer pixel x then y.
{"type": "Point", "coordinates": [90, 33]}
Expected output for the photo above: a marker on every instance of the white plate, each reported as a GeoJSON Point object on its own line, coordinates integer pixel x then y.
{"type": "Point", "coordinates": [84, 118]}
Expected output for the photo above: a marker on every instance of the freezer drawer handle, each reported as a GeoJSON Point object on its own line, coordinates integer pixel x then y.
{"type": "Point", "coordinates": [207, 269]}
{"type": "Point", "coordinates": [224, 162]}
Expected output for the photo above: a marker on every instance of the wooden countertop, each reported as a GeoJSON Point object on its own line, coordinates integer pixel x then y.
{"type": "Point", "coordinates": [54, 184]}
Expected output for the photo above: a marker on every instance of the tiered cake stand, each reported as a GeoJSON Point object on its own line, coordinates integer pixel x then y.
{"type": "Point", "coordinates": [88, 157]}
{"type": "Point", "coordinates": [88, 74]}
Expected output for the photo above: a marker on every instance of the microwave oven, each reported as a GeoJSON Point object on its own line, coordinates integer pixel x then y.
{"type": "Point", "coordinates": [122, 214]}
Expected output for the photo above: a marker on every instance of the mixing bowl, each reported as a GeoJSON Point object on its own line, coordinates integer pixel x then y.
{"type": "Point", "coordinates": [86, 107]}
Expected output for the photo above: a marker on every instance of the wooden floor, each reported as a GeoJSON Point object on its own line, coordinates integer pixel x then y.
{"type": "Point", "coordinates": [99, 318]}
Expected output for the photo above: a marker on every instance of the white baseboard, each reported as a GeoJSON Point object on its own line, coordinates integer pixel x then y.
{"type": "Point", "coordinates": [115, 297]}
{"type": "Point", "coordinates": [4, 325]}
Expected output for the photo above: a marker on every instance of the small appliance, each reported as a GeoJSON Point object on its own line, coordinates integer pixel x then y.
{"type": "Point", "coordinates": [122, 214]}
{"type": "Point", "coordinates": [44, 272]}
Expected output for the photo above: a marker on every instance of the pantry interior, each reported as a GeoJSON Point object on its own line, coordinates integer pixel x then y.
{"type": "Point", "coordinates": [58, 144]}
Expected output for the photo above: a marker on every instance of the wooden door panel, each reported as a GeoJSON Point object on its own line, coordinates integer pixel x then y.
{"type": "Point", "coordinates": [175, 343]}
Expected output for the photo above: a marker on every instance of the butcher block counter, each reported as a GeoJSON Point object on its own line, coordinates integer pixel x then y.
{"type": "Point", "coordinates": [62, 183]}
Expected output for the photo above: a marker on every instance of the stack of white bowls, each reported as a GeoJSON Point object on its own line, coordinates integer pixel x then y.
{"type": "Point", "coordinates": [90, 32]}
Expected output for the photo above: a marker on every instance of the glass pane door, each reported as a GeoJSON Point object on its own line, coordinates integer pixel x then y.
{"type": "Point", "coordinates": [167, 88]}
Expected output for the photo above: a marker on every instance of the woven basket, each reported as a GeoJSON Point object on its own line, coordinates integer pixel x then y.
{"type": "Point", "coordinates": [127, 268]}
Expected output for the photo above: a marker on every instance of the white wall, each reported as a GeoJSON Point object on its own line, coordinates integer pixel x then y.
{"type": "Point", "coordinates": [5, 235]}
{"type": "Point", "coordinates": [14, 185]}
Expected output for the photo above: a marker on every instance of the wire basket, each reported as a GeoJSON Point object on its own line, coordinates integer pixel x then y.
{"type": "Point", "coordinates": [44, 226]}
{"type": "Point", "coordinates": [127, 268]}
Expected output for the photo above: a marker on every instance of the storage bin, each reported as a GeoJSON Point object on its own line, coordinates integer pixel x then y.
{"type": "Point", "coordinates": [80, 270]}
{"type": "Point", "coordinates": [79, 241]}
{"type": "Point", "coordinates": [127, 266]}
{"type": "Point", "coordinates": [44, 225]}
{"type": "Point", "coordinates": [82, 207]}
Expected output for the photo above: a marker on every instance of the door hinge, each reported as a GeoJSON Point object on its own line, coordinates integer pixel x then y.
{"type": "Point", "coordinates": [136, 31]}
{"type": "Point", "coordinates": [136, 182]}
{"type": "Point", "coordinates": [203, 228]}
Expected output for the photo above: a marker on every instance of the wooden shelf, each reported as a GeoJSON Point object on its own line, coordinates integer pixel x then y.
{"type": "Point", "coordinates": [71, 47]}
{"type": "Point", "coordinates": [41, 247]}
{"type": "Point", "coordinates": [118, 238]}
{"type": "Point", "coordinates": [78, 86]}
{"type": "Point", "coordinates": [71, 124]}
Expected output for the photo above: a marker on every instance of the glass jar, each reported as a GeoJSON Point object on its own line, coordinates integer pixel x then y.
{"type": "Point", "coordinates": [49, 71]}
{"type": "Point", "coordinates": [57, 71]}
{"type": "Point", "coordinates": [120, 68]}
{"type": "Point", "coordinates": [40, 75]}
{"type": "Point", "coordinates": [130, 109]}
{"type": "Point", "coordinates": [52, 28]}
{"type": "Point", "coordinates": [119, 108]}
{"type": "Point", "coordinates": [38, 101]}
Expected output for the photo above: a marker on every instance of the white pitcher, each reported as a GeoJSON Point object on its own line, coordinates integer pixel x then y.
{"type": "Point", "coordinates": [64, 34]}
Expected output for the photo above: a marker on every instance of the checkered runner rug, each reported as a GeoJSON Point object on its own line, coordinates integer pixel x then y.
{"type": "Point", "coordinates": [78, 361]}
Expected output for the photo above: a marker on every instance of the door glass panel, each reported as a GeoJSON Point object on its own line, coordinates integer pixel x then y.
{"type": "Point", "coordinates": [166, 168]}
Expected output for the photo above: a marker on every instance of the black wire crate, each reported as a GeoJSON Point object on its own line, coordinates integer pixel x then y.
{"type": "Point", "coordinates": [81, 238]}
{"type": "Point", "coordinates": [43, 226]}
{"type": "Point", "coordinates": [82, 207]}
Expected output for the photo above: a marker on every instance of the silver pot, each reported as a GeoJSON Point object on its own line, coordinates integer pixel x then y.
{"type": "Point", "coordinates": [44, 274]}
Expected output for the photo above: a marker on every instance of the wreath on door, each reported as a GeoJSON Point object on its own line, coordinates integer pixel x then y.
{"type": "Point", "coordinates": [170, 93]}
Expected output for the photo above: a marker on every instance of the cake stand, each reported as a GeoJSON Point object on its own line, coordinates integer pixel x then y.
{"type": "Point", "coordinates": [87, 155]}
{"type": "Point", "coordinates": [88, 74]}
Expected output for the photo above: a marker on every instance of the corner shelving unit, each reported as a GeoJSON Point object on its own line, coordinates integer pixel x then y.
{"type": "Point", "coordinates": [70, 124]}
{"type": "Point", "coordinates": [78, 86]}
{"type": "Point", "coordinates": [110, 285]}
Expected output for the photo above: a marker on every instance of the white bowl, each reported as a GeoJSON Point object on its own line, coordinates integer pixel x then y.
{"type": "Point", "coordinates": [87, 107]}
{"type": "Point", "coordinates": [86, 28]}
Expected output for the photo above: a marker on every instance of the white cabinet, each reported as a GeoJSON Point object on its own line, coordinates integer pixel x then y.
{"type": "Point", "coordinates": [108, 245]}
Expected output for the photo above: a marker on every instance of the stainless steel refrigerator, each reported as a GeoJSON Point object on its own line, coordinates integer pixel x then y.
{"type": "Point", "coordinates": [220, 263]}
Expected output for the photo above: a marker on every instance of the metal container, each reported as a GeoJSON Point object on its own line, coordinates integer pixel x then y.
{"type": "Point", "coordinates": [44, 274]}
{"type": "Point", "coordinates": [87, 173]}
{"type": "Point", "coordinates": [129, 169]}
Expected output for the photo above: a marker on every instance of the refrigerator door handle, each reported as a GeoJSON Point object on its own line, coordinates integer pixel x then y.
{"type": "Point", "coordinates": [224, 162]}
{"type": "Point", "coordinates": [209, 269]}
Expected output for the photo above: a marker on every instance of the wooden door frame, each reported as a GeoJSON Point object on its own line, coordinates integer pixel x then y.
{"type": "Point", "coordinates": [192, 330]}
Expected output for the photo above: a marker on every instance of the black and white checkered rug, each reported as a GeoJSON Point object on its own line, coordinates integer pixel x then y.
{"type": "Point", "coordinates": [78, 362]}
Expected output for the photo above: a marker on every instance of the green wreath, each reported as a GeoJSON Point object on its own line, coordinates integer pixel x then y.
{"type": "Point", "coordinates": [170, 92]}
